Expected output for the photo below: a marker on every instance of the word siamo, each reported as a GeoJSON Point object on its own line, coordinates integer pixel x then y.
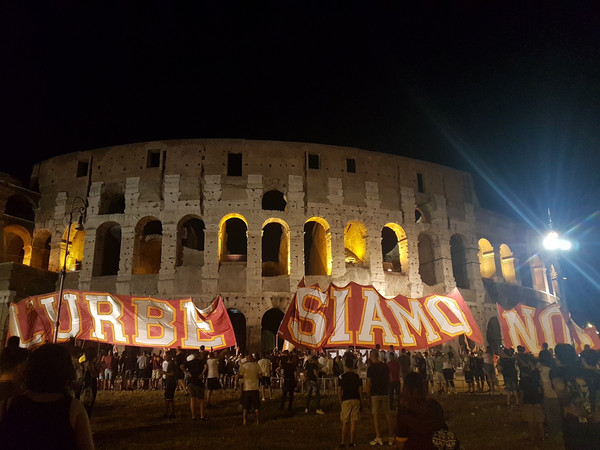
{"type": "Point", "coordinates": [402, 321]}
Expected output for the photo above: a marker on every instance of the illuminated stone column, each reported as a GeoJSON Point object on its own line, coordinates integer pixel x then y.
{"type": "Point", "coordinates": [338, 267]}
{"type": "Point", "coordinates": [85, 274]}
{"type": "Point", "coordinates": [296, 255]}
{"type": "Point", "coordinates": [166, 275]}
{"type": "Point", "coordinates": [210, 270]}
{"type": "Point", "coordinates": [253, 262]}
{"type": "Point", "coordinates": [126, 260]}
{"type": "Point", "coordinates": [60, 225]}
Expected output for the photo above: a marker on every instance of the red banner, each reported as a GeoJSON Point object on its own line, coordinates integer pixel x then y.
{"type": "Point", "coordinates": [121, 320]}
{"type": "Point", "coordinates": [531, 327]}
{"type": "Point", "coordinates": [357, 315]}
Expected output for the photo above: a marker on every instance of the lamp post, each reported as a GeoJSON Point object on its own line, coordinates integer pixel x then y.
{"type": "Point", "coordinates": [555, 244]}
{"type": "Point", "coordinates": [63, 273]}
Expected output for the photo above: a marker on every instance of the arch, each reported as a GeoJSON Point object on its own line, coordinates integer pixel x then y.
{"type": "Point", "coordinates": [107, 251]}
{"type": "Point", "coordinates": [459, 261]}
{"type": "Point", "coordinates": [76, 247]}
{"type": "Point", "coordinates": [190, 242]}
{"type": "Point", "coordinates": [274, 200]}
{"type": "Point", "coordinates": [507, 262]}
{"type": "Point", "coordinates": [355, 243]}
{"type": "Point", "coordinates": [275, 248]}
{"type": "Point", "coordinates": [112, 203]}
{"type": "Point", "coordinates": [427, 263]}
{"type": "Point", "coordinates": [17, 244]}
{"type": "Point", "coordinates": [493, 335]}
{"type": "Point", "coordinates": [270, 325]}
{"type": "Point", "coordinates": [238, 322]}
{"type": "Point", "coordinates": [394, 248]}
{"type": "Point", "coordinates": [147, 247]}
{"type": "Point", "coordinates": [19, 206]}
{"type": "Point", "coordinates": [233, 238]}
{"type": "Point", "coordinates": [317, 247]}
{"type": "Point", "coordinates": [40, 251]}
{"type": "Point", "coordinates": [487, 259]}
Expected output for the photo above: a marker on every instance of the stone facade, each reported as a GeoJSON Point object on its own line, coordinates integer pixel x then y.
{"type": "Point", "coordinates": [167, 219]}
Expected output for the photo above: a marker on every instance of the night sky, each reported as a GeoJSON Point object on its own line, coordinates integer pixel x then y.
{"type": "Point", "coordinates": [509, 91]}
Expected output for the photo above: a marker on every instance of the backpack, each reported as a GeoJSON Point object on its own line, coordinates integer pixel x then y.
{"type": "Point", "coordinates": [445, 440]}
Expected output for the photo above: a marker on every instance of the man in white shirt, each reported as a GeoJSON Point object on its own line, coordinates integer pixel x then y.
{"type": "Point", "coordinates": [250, 372]}
{"type": "Point", "coordinates": [265, 381]}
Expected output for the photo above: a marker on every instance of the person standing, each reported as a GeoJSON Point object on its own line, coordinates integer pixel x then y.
{"type": "Point", "coordinates": [180, 360]}
{"type": "Point", "coordinates": [287, 370]}
{"type": "Point", "coordinates": [170, 385]}
{"type": "Point", "coordinates": [312, 384]}
{"type": "Point", "coordinates": [250, 372]}
{"type": "Point", "coordinates": [196, 368]}
{"type": "Point", "coordinates": [489, 369]}
{"type": "Point", "coordinates": [265, 380]}
{"type": "Point", "coordinates": [394, 386]}
{"type": "Point", "coordinates": [378, 377]}
{"type": "Point", "coordinates": [578, 391]}
{"type": "Point", "coordinates": [508, 366]}
{"type": "Point", "coordinates": [350, 398]}
{"type": "Point", "coordinates": [212, 375]}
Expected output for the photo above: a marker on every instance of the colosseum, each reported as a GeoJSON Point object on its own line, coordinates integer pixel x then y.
{"type": "Point", "coordinates": [249, 219]}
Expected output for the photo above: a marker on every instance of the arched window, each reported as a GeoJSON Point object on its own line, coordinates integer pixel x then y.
{"type": "Point", "coordinates": [275, 249]}
{"type": "Point", "coordinates": [76, 245]}
{"type": "Point", "coordinates": [419, 216]}
{"type": "Point", "coordinates": [238, 322]}
{"type": "Point", "coordinates": [274, 201]}
{"type": "Point", "coordinates": [270, 325]}
{"type": "Point", "coordinates": [190, 242]}
{"type": "Point", "coordinates": [487, 259]}
{"type": "Point", "coordinates": [19, 206]}
{"type": "Point", "coordinates": [107, 252]}
{"type": "Point", "coordinates": [17, 244]}
{"type": "Point", "coordinates": [317, 247]}
{"type": "Point", "coordinates": [233, 239]}
{"type": "Point", "coordinates": [507, 260]}
{"type": "Point", "coordinates": [355, 243]}
{"type": "Point", "coordinates": [40, 253]}
{"type": "Point", "coordinates": [427, 263]}
{"type": "Point", "coordinates": [147, 248]}
{"type": "Point", "coordinates": [394, 248]}
{"type": "Point", "coordinates": [459, 261]}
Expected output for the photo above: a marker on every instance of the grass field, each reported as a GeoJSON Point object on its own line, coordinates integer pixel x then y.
{"type": "Point", "coordinates": [134, 420]}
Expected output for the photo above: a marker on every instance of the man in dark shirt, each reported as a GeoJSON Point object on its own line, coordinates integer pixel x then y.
{"type": "Point", "coordinates": [350, 397]}
{"type": "Point", "coordinates": [394, 385]}
{"type": "Point", "coordinates": [196, 369]}
{"type": "Point", "coordinates": [378, 377]}
{"type": "Point", "coordinates": [287, 370]}
{"type": "Point", "coordinates": [508, 366]}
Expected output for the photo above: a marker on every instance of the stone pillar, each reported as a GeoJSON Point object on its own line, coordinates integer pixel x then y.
{"type": "Point", "coordinates": [132, 193]}
{"type": "Point", "coordinates": [375, 256]}
{"type": "Point", "coordinates": [210, 270]}
{"type": "Point", "coordinates": [296, 255]}
{"type": "Point", "coordinates": [254, 190]}
{"type": "Point", "coordinates": [94, 198]}
{"type": "Point", "coordinates": [89, 246]}
{"type": "Point", "coordinates": [253, 262]}
{"type": "Point", "coordinates": [6, 297]}
{"type": "Point", "coordinates": [166, 275]}
{"type": "Point", "coordinates": [338, 267]}
{"type": "Point", "coordinates": [295, 195]}
{"type": "Point", "coordinates": [59, 230]}
{"type": "Point", "coordinates": [171, 193]}
{"type": "Point", "coordinates": [126, 260]}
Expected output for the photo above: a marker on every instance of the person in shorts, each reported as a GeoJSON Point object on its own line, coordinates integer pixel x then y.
{"type": "Point", "coordinates": [196, 369]}
{"type": "Point", "coordinates": [378, 377]}
{"type": "Point", "coordinates": [350, 397]}
{"type": "Point", "coordinates": [250, 372]}
{"type": "Point", "coordinates": [508, 366]}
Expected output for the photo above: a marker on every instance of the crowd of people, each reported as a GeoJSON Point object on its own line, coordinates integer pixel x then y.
{"type": "Point", "coordinates": [556, 391]}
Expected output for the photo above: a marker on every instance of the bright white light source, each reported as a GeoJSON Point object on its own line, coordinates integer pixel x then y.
{"type": "Point", "coordinates": [553, 242]}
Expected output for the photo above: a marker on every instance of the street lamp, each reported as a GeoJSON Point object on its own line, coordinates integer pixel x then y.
{"type": "Point", "coordinates": [81, 210]}
{"type": "Point", "coordinates": [556, 244]}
